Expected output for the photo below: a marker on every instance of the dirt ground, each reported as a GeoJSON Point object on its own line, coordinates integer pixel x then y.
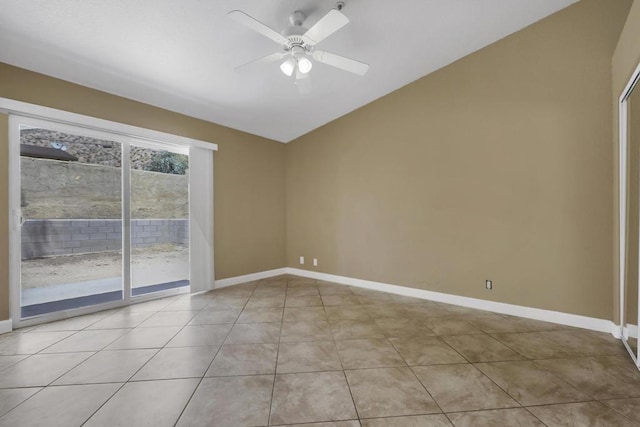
{"type": "Point", "coordinates": [57, 270]}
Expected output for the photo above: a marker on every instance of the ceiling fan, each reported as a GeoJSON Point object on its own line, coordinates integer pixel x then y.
{"type": "Point", "coordinates": [299, 45]}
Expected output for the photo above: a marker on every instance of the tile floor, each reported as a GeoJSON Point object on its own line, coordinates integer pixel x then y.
{"type": "Point", "coordinates": [293, 351]}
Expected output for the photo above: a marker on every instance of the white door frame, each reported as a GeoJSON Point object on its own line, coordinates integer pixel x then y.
{"type": "Point", "coordinates": [76, 123]}
{"type": "Point", "coordinates": [623, 150]}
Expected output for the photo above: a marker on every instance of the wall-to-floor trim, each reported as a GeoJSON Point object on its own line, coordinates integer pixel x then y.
{"type": "Point", "coordinates": [6, 326]}
{"type": "Point", "coordinates": [600, 325]}
{"type": "Point", "coordinates": [223, 283]}
{"type": "Point", "coordinates": [575, 320]}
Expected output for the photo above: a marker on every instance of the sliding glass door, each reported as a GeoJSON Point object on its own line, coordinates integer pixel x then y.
{"type": "Point", "coordinates": [159, 219]}
{"type": "Point", "coordinates": [71, 219]}
{"type": "Point", "coordinates": [102, 219]}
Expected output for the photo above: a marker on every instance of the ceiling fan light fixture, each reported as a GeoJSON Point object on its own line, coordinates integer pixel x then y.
{"type": "Point", "coordinates": [304, 64]}
{"type": "Point", "coordinates": [288, 66]}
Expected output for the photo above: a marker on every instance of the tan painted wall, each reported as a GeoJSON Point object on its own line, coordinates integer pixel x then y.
{"type": "Point", "coordinates": [249, 172]}
{"type": "Point", "coordinates": [498, 166]}
{"type": "Point", "coordinates": [625, 59]}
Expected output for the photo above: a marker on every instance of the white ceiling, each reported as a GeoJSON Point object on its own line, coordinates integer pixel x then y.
{"type": "Point", "coordinates": [181, 54]}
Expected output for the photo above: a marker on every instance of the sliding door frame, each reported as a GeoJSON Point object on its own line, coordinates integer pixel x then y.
{"type": "Point", "coordinates": [125, 134]}
{"type": "Point", "coordinates": [623, 153]}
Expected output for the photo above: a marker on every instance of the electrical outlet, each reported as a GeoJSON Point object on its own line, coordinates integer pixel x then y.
{"type": "Point", "coordinates": [488, 284]}
{"type": "Point", "coordinates": [301, 260]}
{"type": "Point", "coordinates": [315, 262]}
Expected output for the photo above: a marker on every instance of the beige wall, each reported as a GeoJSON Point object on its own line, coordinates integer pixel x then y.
{"type": "Point", "coordinates": [498, 166]}
{"type": "Point", "coordinates": [625, 60]}
{"type": "Point", "coordinates": [249, 172]}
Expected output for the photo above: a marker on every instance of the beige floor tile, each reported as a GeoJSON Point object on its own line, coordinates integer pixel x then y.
{"type": "Point", "coordinates": [60, 406]}
{"type": "Point", "coordinates": [305, 301]}
{"type": "Point", "coordinates": [168, 318]}
{"type": "Point", "coordinates": [380, 299]}
{"type": "Point", "coordinates": [355, 329]}
{"type": "Point", "coordinates": [426, 351]}
{"type": "Point", "coordinates": [254, 333]}
{"type": "Point", "coordinates": [462, 387]}
{"type": "Point", "coordinates": [529, 384]}
{"type": "Point", "coordinates": [481, 348]}
{"type": "Point", "coordinates": [73, 323]}
{"type": "Point", "coordinates": [121, 320]}
{"type": "Point", "coordinates": [580, 414]}
{"type": "Point", "coordinates": [412, 421]}
{"type": "Point", "coordinates": [40, 369]}
{"type": "Point", "coordinates": [454, 325]}
{"type": "Point", "coordinates": [227, 303]}
{"type": "Point", "coordinates": [495, 418]}
{"type": "Point", "coordinates": [308, 357]}
{"type": "Point", "coordinates": [244, 359]}
{"type": "Point", "coordinates": [30, 342]}
{"type": "Point", "coordinates": [149, 305]}
{"type": "Point", "coordinates": [306, 331]}
{"type": "Point", "coordinates": [144, 338]}
{"type": "Point", "coordinates": [389, 392]}
{"type": "Point", "coordinates": [310, 291]}
{"type": "Point", "coordinates": [597, 377]}
{"type": "Point", "coordinates": [386, 310]}
{"type": "Point", "coordinates": [261, 315]}
{"type": "Point", "coordinates": [426, 309]}
{"type": "Point", "coordinates": [187, 303]}
{"type": "Point", "coordinates": [179, 362]}
{"type": "Point", "coordinates": [401, 327]}
{"type": "Point", "coordinates": [230, 401]}
{"type": "Point", "coordinates": [200, 335]}
{"type": "Point", "coordinates": [583, 342]}
{"type": "Point", "coordinates": [262, 292]}
{"type": "Point", "coordinates": [146, 403]}
{"type": "Point", "coordinates": [535, 345]}
{"type": "Point", "coordinates": [6, 361]}
{"type": "Point", "coordinates": [311, 397]}
{"type": "Point", "coordinates": [215, 316]}
{"type": "Point", "coordinates": [329, 289]}
{"type": "Point", "coordinates": [107, 367]}
{"type": "Point", "coordinates": [368, 353]}
{"type": "Point", "coordinates": [339, 300]}
{"type": "Point", "coordinates": [12, 397]}
{"type": "Point", "coordinates": [496, 323]}
{"type": "Point", "coordinates": [93, 340]}
{"type": "Point", "coordinates": [630, 408]}
{"type": "Point", "coordinates": [304, 314]}
{"type": "Point", "coordinates": [265, 302]}
{"type": "Point", "coordinates": [301, 282]}
{"type": "Point", "coordinates": [530, 325]}
{"type": "Point", "coordinates": [351, 312]}
{"type": "Point", "coordinates": [352, 423]}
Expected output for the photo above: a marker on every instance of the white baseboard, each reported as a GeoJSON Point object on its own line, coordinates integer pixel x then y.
{"type": "Point", "coordinates": [558, 317]}
{"type": "Point", "coordinates": [594, 324]}
{"type": "Point", "coordinates": [223, 283]}
{"type": "Point", "coordinates": [5, 326]}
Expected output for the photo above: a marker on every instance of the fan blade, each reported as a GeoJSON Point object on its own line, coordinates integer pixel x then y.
{"type": "Point", "coordinates": [257, 26]}
{"type": "Point", "coordinates": [327, 25]}
{"type": "Point", "coordinates": [273, 57]}
{"type": "Point", "coordinates": [303, 82]}
{"type": "Point", "coordinates": [341, 62]}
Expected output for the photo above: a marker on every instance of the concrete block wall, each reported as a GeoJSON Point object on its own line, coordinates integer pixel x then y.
{"type": "Point", "coordinates": [42, 238]}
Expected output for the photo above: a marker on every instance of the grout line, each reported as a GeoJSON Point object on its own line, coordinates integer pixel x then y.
{"type": "Point", "coordinates": [186, 405]}
{"type": "Point", "coordinates": [275, 371]}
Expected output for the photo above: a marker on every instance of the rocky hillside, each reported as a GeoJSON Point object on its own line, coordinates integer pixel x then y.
{"type": "Point", "coordinates": [87, 150]}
